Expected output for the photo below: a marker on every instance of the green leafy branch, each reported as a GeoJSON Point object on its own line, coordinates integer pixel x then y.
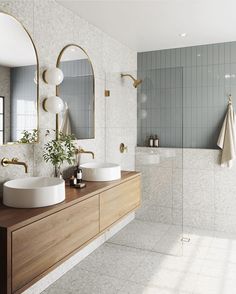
{"type": "Point", "coordinates": [59, 151]}
{"type": "Point", "coordinates": [29, 136]}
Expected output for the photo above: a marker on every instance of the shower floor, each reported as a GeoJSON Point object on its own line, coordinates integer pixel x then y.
{"type": "Point", "coordinates": [149, 258]}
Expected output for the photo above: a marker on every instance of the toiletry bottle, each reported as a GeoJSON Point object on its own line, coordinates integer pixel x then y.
{"type": "Point", "coordinates": [73, 181]}
{"type": "Point", "coordinates": [79, 175]}
{"type": "Point", "coordinates": [151, 141]}
{"type": "Point", "coordinates": [156, 141]}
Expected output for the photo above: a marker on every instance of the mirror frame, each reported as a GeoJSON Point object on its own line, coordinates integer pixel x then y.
{"type": "Point", "coordinates": [58, 94]}
{"type": "Point", "coordinates": [37, 85]}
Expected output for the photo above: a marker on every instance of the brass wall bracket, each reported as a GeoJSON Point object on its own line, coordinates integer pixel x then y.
{"type": "Point", "coordinates": [123, 148]}
{"type": "Point", "coordinates": [107, 93]}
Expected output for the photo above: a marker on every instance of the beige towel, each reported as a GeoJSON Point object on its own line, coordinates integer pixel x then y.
{"type": "Point", "coordinates": [65, 124]}
{"type": "Point", "coordinates": [227, 138]}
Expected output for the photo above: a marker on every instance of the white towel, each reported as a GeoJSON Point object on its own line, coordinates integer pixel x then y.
{"type": "Point", "coordinates": [227, 138]}
{"type": "Point", "coordinates": [65, 124]}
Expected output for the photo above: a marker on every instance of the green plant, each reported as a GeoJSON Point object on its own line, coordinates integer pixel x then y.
{"type": "Point", "coordinates": [29, 136]}
{"type": "Point", "coordinates": [59, 151]}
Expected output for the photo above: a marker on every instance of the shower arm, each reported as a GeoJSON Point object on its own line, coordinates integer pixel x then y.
{"type": "Point", "coordinates": [128, 75]}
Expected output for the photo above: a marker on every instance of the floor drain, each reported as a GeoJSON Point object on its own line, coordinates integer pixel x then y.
{"type": "Point", "coordinates": [184, 239]}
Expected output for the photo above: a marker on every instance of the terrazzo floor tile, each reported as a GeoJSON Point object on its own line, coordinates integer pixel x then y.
{"type": "Point", "coordinates": [155, 271]}
{"type": "Point", "coordinates": [170, 242]}
{"type": "Point", "coordinates": [113, 260]}
{"type": "Point", "coordinates": [135, 288]}
{"type": "Point", "coordinates": [207, 266]}
{"type": "Point", "coordinates": [209, 285]}
{"type": "Point", "coordinates": [84, 282]}
{"type": "Point", "coordinates": [140, 234]}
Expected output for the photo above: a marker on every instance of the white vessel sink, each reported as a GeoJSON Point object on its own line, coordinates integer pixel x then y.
{"type": "Point", "coordinates": [97, 172]}
{"type": "Point", "coordinates": [33, 192]}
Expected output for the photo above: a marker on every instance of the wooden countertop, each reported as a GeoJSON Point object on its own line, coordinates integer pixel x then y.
{"type": "Point", "coordinates": [14, 218]}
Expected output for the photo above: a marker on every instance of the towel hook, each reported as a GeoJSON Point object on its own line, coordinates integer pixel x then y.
{"type": "Point", "coordinates": [230, 99]}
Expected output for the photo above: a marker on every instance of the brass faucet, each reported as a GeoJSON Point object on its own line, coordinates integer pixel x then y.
{"type": "Point", "coordinates": [15, 161]}
{"type": "Point", "coordinates": [81, 150]}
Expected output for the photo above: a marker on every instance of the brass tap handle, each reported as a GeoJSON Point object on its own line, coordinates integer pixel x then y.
{"type": "Point", "coordinates": [14, 160]}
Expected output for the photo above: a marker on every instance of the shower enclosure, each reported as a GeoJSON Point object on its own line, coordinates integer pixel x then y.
{"type": "Point", "coordinates": [158, 224]}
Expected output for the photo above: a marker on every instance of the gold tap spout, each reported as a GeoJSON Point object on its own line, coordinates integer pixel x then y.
{"type": "Point", "coordinates": [81, 150]}
{"type": "Point", "coordinates": [14, 161]}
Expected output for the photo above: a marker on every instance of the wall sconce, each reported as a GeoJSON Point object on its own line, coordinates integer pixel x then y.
{"type": "Point", "coordinates": [53, 104]}
{"type": "Point", "coordinates": [53, 76]}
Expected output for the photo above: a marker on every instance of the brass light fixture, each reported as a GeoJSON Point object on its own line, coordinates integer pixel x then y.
{"type": "Point", "coordinates": [136, 82]}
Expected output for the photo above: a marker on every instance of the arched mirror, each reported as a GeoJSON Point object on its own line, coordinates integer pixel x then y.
{"type": "Point", "coordinates": [18, 83]}
{"type": "Point", "coordinates": [77, 92]}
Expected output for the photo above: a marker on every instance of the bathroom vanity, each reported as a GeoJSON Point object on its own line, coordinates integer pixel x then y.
{"type": "Point", "coordinates": [35, 241]}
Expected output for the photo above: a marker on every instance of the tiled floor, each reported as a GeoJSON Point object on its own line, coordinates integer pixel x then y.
{"type": "Point", "coordinates": [130, 263]}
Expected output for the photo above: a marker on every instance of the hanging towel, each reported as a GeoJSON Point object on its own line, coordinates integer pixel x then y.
{"type": "Point", "coordinates": [65, 124]}
{"type": "Point", "coordinates": [227, 138]}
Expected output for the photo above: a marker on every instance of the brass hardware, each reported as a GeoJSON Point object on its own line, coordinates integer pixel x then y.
{"type": "Point", "coordinates": [81, 150]}
{"type": "Point", "coordinates": [107, 93]}
{"type": "Point", "coordinates": [37, 75]}
{"type": "Point", "coordinates": [43, 104]}
{"type": "Point", "coordinates": [43, 76]}
{"type": "Point", "coordinates": [14, 161]}
{"type": "Point", "coordinates": [136, 82]}
{"type": "Point", "coordinates": [57, 87]}
{"type": "Point", "coordinates": [229, 99]}
{"type": "Point", "coordinates": [123, 148]}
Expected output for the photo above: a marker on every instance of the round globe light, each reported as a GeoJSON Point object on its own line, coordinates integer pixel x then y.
{"type": "Point", "coordinates": [53, 104]}
{"type": "Point", "coordinates": [53, 76]}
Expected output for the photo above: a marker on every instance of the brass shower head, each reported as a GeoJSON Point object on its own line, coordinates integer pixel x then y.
{"type": "Point", "coordinates": [136, 82]}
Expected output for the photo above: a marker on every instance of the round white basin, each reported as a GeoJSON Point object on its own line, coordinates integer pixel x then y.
{"type": "Point", "coordinates": [33, 192]}
{"type": "Point", "coordinates": [100, 172]}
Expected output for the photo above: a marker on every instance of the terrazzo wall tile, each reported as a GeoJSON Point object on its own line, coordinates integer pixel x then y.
{"type": "Point", "coordinates": [187, 187]}
{"type": "Point", "coordinates": [52, 27]}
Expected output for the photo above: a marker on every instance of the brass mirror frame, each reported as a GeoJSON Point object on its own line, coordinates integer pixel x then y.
{"type": "Point", "coordinates": [37, 85]}
{"type": "Point", "coordinates": [58, 94]}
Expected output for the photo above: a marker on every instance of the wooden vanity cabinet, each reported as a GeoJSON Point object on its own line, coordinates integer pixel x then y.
{"type": "Point", "coordinates": [40, 245]}
{"type": "Point", "coordinates": [35, 241]}
{"type": "Point", "coordinates": [118, 201]}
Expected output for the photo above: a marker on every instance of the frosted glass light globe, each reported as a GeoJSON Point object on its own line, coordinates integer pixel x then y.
{"type": "Point", "coordinates": [53, 104]}
{"type": "Point", "coordinates": [53, 76]}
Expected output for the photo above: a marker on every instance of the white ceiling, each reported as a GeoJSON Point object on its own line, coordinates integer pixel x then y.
{"type": "Point", "coordinates": [16, 48]}
{"type": "Point", "coordinates": [151, 25]}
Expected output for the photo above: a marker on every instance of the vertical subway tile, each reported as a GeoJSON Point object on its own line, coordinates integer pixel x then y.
{"type": "Point", "coordinates": [163, 58]}
{"type": "Point", "coordinates": [232, 52]}
{"type": "Point", "coordinates": [210, 54]}
{"type": "Point", "coordinates": [227, 52]}
{"type": "Point", "coordinates": [173, 57]}
{"type": "Point", "coordinates": [204, 52]}
{"type": "Point", "coordinates": [168, 58]}
{"type": "Point", "coordinates": [221, 53]}
{"type": "Point", "coordinates": [215, 50]}
{"type": "Point", "coordinates": [188, 56]}
{"type": "Point", "coordinates": [177, 57]}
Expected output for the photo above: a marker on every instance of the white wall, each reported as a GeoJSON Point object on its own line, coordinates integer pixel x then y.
{"type": "Point", "coordinates": [52, 27]}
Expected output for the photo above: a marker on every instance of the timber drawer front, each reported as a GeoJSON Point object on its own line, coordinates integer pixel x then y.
{"type": "Point", "coordinates": [40, 245]}
{"type": "Point", "coordinates": [118, 201]}
{"type": "Point", "coordinates": [33, 242]}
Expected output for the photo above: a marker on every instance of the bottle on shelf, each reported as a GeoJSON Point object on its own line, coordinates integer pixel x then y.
{"type": "Point", "coordinates": [156, 141]}
{"type": "Point", "coordinates": [150, 141]}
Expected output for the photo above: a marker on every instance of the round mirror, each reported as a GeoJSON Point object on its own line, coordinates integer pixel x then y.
{"type": "Point", "coordinates": [77, 92]}
{"type": "Point", "coordinates": [18, 83]}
